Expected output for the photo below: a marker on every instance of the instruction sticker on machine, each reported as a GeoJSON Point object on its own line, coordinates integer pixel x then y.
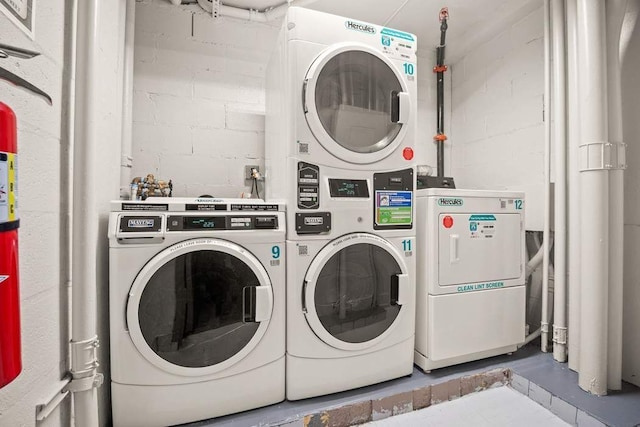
{"type": "Point", "coordinates": [482, 226]}
{"type": "Point", "coordinates": [394, 207]}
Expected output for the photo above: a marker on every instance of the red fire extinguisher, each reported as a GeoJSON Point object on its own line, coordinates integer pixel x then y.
{"type": "Point", "coordinates": [10, 352]}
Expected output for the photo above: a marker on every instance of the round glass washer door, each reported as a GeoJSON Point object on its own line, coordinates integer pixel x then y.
{"type": "Point", "coordinates": [354, 290]}
{"type": "Point", "coordinates": [199, 307]}
{"type": "Point", "coordinates": [349, 93]}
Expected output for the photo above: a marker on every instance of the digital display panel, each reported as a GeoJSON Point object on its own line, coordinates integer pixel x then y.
{"type": "Point", "coordinates": [348, 188]}
{"type": "Point", "coordinates": [204, 222]}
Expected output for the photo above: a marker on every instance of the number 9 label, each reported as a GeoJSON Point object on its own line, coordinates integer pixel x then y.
{"type": "Point", "coordinates": [275, 252]}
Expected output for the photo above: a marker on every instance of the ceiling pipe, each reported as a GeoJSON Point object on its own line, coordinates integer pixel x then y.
{"type": "Point", "coordinates": [560, 193]}
{"type": "Point", "coordinates": [267, 15]}
{"type": "Point", "coordinates": [573, 208]}
{"type": "Point", "coordinates": [594, 196]}
{"type": "Point", "coordinates": [615, 10]}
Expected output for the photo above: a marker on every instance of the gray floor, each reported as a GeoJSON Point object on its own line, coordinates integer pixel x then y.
{"type": "Point", "coordinates": [496, 407]}
{"type": "Point", "coordinates": [620, 409]}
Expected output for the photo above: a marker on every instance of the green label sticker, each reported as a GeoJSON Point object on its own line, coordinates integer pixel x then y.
{"type": "Point", "coordinates": [480, 286]}
{"type": "Point", "coordinates": [394, 207]}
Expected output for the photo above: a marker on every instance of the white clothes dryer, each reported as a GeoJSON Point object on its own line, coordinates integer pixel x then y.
{"type": "Point", "coordinates": [341, 98]}
{"type": "Point", "coordinates": [197, 309]}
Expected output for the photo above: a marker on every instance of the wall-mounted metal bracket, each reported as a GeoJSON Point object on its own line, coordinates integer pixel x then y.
{"type": "Point", "coordinates": [559, 335]}
{"type": "Point", "coordinates": [544, 327]}
{"type": "Point", "coordinates": [594, 156]}
{"type": "Point", "coordinates": [44, 410]}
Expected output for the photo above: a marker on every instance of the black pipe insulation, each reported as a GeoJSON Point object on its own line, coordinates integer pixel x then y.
{"type": "Point", "coordinates": [440, 69]}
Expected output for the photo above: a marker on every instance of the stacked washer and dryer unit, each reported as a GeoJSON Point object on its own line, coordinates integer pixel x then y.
{"type": "Point", "coordinates": [197, 308]}
{"type": "Point", "coordinates": [340, 131]}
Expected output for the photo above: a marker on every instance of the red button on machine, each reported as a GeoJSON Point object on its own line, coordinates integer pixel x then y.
{"type": "Point", "coordinates": [447, 221]}
{"type": "Point", "coordinates": [407, 153]}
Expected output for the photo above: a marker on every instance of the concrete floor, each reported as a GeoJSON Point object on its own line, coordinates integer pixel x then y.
{"type": "Point", "coordinates": [535, 374]}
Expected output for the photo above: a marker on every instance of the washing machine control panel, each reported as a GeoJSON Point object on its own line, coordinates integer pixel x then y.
{"type": "Point", "coordinates": [221, 222]}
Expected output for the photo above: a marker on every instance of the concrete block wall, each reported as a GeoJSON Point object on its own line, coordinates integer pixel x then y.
{"type": "Point", "coordinates": [497, 129]}
{"type": "Point", "coordinates": [42, 149]}
{"type": "Point", "coordinates": [198, 97]}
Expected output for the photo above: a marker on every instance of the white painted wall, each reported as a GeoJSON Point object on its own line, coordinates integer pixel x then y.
{"type": "Point", "coordinates": [631, 124]}
{"type": "Point", "coordinates": [198, 97]}
{"type": "Point", "coordinates": [43, 195]}
{"type": "Point", "coordinates": [497, 130]}
{"type": "Point", "coordinates": [45, 140]}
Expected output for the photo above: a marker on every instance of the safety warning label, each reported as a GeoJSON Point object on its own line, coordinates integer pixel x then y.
{"type": "Point", "coordinates": [8, 187]}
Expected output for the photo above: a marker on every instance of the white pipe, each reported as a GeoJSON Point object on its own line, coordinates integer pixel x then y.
{"type": "Point", "coordinates": [85, 215]}
{"type": "Point", "coordinates": [534, 262]}
{"type": "Point", "coordinates": [256, 15]}
{"type": "Point", "coordinates": [560, 193]}
{"type": "Point", "coordinates": [544, 318]}
{"type": "Point", "coordinates": [594, 197]}
{"type": "Point", "coordinates": [532, 336]}
{"type": "Point", "coordinates": [573, 141]}
{"type": "Point", "coordinates": [127, 104]}
{"type": "Point", "coordinates": [615, 15]}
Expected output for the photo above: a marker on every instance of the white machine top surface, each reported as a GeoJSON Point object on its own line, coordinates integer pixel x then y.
{"type": "Point", "coordinates": [185, 204]}
{"type": "Point", "coordinates": [303, 24]}
{"type": "Point", "coordinates": [449, 192]}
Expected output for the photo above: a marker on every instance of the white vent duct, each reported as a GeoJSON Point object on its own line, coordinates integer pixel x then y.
{"type": "Point", "coordinates": [250, 10]}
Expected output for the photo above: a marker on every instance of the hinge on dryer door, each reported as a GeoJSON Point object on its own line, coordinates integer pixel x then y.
{"type": "Point", "coordinates": [304, 96]}
{"type": "Point", "coordinates": [215, 8]}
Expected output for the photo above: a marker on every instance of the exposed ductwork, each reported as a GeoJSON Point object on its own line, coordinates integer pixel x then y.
{"type": "Point", "coordinates": [249, 10]}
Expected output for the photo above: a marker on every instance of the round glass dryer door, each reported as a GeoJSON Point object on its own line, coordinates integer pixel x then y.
{"type": "Point", "coordinates": [353, 291]}
{"type": "Point", "coordinates": [199, 307]}
{"type": "Point", "coordinates": [354, 99]}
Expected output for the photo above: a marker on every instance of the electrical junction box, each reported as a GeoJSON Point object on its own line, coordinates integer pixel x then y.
{"type": "Point", "coordinates": [471, 275]}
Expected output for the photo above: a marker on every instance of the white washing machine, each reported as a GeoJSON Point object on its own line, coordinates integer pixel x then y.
{"type": "Point", "coordinates": [197, 309]}
{"type": "Point", "coordinates": [471, 296]}
{"type": "Point", "coordinates": [340, 130]}
{"type": "Point", "coordinates": [350, 313]}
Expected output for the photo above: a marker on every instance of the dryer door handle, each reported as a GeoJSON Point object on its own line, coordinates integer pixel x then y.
{"type": "Point", "coordinates": [257, 303]}
{"type": "Point", "coordinates": [400, 107]}
{"type": "Point", "coordinates": [399, 289]}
